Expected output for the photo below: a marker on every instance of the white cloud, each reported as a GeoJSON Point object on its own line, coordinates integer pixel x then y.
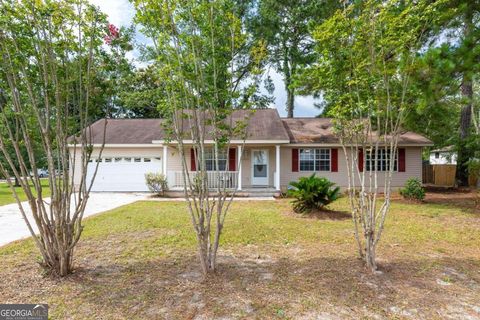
{"type": "Point", "coordinates": [121, 14]}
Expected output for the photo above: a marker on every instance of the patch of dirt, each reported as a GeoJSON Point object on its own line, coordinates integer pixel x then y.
{"type": "Point", "coordinates": [324, 214]}
{"type": "Point", "coordinates": [466, 199]}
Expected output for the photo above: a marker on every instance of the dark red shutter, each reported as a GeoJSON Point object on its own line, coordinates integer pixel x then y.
{"type": "Point", "coordinates": [334, 156]}
{"type": "Point", "coordinates": [294, 160]}
{"type": "Point", "coordinates": [193, 163]}
{"type": "Point", "coordinates": [232, 159]}
{"type": "Point", "coordinates": [360, 160]}
{"type": "Point", "coordinates": [401, 159]}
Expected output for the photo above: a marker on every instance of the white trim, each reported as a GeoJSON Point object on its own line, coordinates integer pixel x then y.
{"type": "Point", "coordinates": [277, 167]}
{"type": "Point", "coordinates": [119, 145]}
{"type": "Point", "coordinates": [165, 156]}
{"type": "Point", "coordinates": [268, 167]}
{"type": "Point", "coordinates": [239, 162]}
{"type": "Point", "coordinates": [333, 145]}
{"type": "Point", "coordinates": [329, 160]}
{"type": "Point", "coordinates": [231, 141]}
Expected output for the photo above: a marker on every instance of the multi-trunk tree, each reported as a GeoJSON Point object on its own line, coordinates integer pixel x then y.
{"type": "Point", "coordinates": [48, 55]}
{"type": "Point", "coordinates": [208, 68]}
{"type": "Point", "coordinates": [366, 57]}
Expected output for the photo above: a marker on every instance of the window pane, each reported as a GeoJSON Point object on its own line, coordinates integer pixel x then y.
{"type": "Point", "coordinates": [380, 160]}
{"type": "Point", "coordinates": [307, 159]}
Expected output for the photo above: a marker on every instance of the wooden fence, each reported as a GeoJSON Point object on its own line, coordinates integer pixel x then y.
{"type": "Point", "coordinates": [442, 175]}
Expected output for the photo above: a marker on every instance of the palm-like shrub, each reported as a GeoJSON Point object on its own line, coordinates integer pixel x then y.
{"type": "Point", "coordinates": [312, 193]}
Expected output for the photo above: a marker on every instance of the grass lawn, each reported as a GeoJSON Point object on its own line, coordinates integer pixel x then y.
{"type": "Point", "coordinates": [6, 196]}
{"type": "Point", "coordinates": [139, 262]}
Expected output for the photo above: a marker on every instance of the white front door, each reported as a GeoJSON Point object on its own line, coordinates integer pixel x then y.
{"type": "Point", "coordinates": [260, 167]}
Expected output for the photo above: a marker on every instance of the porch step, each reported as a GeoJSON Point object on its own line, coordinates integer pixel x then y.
{"type": "Point", "coordinates": [258, 192]}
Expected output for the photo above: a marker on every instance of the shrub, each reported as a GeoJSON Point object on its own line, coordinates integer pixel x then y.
{"type": "Point", "coordinates": [413, 190]}
{"type": "Point", "coordinates": [312, 193]}
{"type": "Point", "coordinates": [156, 182]}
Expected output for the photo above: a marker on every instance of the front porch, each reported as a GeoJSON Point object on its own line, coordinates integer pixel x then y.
{"type": "Point", "coordinates": [255, 170]}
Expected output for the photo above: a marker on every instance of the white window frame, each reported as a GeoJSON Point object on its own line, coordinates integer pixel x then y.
{"type": "Point", "coordinates": [315, 159]}
{"type": "Point", "coordinates": [210, 158]}
{"type": "Point", "coordinates": [381, 165]}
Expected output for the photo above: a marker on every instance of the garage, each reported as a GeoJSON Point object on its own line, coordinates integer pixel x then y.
{"type": "Point", "coordinates": [122, 173]}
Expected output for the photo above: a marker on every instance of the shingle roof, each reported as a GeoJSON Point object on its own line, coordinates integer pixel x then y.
{"type": "Point", "coordinates": [264, 124]}
{"type": "Point", "coordinates": [320, 130]}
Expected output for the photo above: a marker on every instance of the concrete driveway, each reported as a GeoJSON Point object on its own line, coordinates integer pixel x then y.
{"type": "Point", "coordinates": [13, 227]}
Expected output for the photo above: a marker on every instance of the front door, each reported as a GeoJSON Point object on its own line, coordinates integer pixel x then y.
{"type": "Point", "coordinates": [260, 167]}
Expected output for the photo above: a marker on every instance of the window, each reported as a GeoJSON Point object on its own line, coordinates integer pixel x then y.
{"type": "Point", "coordinates": [210, 160]}
{"type": "Point", "coordinates": [437, 155]}
{"type": "Point", "coordinates": [108, 160]}
{"type": "Point", "coordinates": [382, 161]}
{"type": "Point", "coordinates": [137, 159]}
{"type": "Point", "coordinates": [314, 159]}
{"type": "Point", "coordinates": [118, 159]}
{"type": "Point", "coordinates": [147, 160]}
{"type": "Point", "coordinates": [127, 159]}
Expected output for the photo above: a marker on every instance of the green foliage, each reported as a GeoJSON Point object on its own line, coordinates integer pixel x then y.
{"type": "Point", "coordinates": [413, 190]}
{"type": "Point", "coordinates": [312, 193]}
{"type": "Point", "coordinates": [156, 182]}
{"type": "Point", "coordinates": [284, 25]}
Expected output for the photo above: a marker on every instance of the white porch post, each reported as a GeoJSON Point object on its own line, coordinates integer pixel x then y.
{"type": "Point", "coordinates": [164, 162]}
{"type": "Point", "coordinates": [277, 167]}
{"type": "Point", "coordinates": [239, 162]}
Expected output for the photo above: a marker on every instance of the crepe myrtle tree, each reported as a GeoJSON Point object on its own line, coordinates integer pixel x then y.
{"type": "Point", "coordinates": [208, 68]}
{"type": "Point", "coordinates": [366, 54]}
{"type": "Point", "coordinates": [48, 53]}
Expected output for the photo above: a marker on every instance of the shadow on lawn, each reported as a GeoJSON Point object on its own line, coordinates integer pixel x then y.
{"type": "Point", "coordinates": [258, 287]}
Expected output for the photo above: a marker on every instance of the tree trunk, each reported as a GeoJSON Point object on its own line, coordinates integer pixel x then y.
{"type": "Point", "coordinates": [370, 251]}
{"type": "Point", "coordinates": [464, 153]}
{"type": "Point", "coordinates": [290, 101]}
{"type": "Point", "coordinates": [287, 74]}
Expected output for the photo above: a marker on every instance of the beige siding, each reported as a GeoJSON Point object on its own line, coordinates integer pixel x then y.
{"type": "Point", "coordinates": [413, 156]}
{"type": "Point", "coordinates": [413, 168]}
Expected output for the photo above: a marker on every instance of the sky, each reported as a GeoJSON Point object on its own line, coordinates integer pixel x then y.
{"type": "Point", "coordinates": [121, 13]}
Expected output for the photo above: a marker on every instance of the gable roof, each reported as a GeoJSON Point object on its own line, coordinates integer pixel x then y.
{"type": "Point", "coordinates": [320, 130]}
{"type": "Point", "coordinates": [263, 125]}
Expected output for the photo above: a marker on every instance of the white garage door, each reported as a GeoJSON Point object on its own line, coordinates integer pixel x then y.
{"type": "Point", "coordinates": [123, 173]}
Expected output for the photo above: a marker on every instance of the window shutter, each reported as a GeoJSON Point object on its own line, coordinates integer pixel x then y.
{"type": "Point", "coordinates": [193, 164]}
{"type": "Point", "coordinates": [334, 160]}
{"type": "Point", "coordinates": [401, 160]}
{"type": "Point", "coordinates": [232, 159]}
{"type": "Point", "coordinates": [360, 160]}
{"type": "Point", "coordinates": [294, 160]}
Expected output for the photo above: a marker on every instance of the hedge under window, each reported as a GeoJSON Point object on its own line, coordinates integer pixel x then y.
{"type": "Point", "coordinates": [314, 159]}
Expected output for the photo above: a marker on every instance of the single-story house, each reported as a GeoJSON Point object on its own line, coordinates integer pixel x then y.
{"type": "Point", "coordinates": [446, 155]}
{"type": "Point", "coordinates": [276, 152]}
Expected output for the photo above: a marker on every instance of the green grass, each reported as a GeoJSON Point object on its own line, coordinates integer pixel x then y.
{"type": "Point", "coordinates": [6, 196]}
{"type": "Point", "coordinates": [132, 259]}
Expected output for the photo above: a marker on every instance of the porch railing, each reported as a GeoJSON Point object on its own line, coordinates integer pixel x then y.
{"type": "Point", "coordinates": [216, 179]}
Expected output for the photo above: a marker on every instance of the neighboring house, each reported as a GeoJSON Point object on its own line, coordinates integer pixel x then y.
{"type": "Point", "coordinates": [276, 152]}
{"type": "Point", "coordinates": [445, 155]}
